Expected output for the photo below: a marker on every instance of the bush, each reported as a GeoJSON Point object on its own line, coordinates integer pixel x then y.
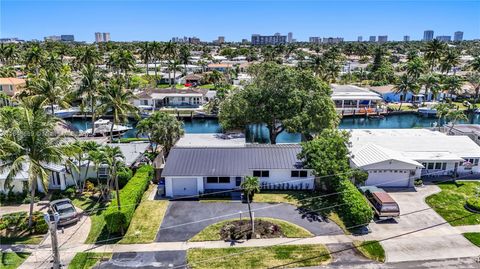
{"type": "Point", "coordinates": [19, 221]}
{"type": "Point", "coordinates": [474, 203]}
{"type": "Point", "coordinates": [123, 177]}
{"type": "Point", "coordinates": [67, 193]}
{"type": "Point", "coordinates": [355, 210]}
{"type": "Point", "coordinates": [89, 186]}
{"type": "Point", "coordinates": [418, 182]}
{"type": "Point", "coordinates": [130, 196]}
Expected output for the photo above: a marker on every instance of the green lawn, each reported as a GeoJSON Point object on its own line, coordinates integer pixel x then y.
{"type": "Point", "coordinates": [450, 202]}
{"type": "Point", "coordinates": [286, 256]}
{"type": "Point", "coordinates": [289, 197]}
{"type": "Point", "coordinates": [14, 228]}
{"type": "Point", "coordinates": [98, 231]}
{"type": "Point", "coordinates": [87, 260]}
{"type": "Point", "coordinates": [146, 222]}
{"type": "Point", "coordinates": [27, 240]}
{"type": "Point", "coordinates": [473, 237]}
{"type": "Point", "coordinates": [371, 249]}
{"type": "Point", "coordinates": [212, 232]}
{"type": "Point", "coordinates": [12, 260]}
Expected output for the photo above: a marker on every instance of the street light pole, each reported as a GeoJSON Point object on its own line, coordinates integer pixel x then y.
{"type": "Point", "coordinates": [52, 225]}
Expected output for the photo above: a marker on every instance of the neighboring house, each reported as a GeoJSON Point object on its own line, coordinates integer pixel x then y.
{"type": "Point", "coordinates": [350, 99]}
{"type": "Point", "coordinates": [470, 130]}
{"type": "Point", "coordinates": [191, 171]}
{"type": "Point", "coordinates": [396, 157]}
{"type": "Point", "coordinates": [168, 97]}
{"type": "Point", "coordinates": [165, 78]}
{"type": "Point", "coordinates": [62, 177]}
{"type": "Point", "coordinates": [12, 86]}
{"type": "Point", "coordinates": [390, 96]}
{"type": "Point", "coordinates": [221, 67]}
{"type": "Point", "coordinates": [193, 79]}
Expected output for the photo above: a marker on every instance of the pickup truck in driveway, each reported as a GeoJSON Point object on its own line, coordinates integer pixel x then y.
{"type": "Point", "coordinates": [381, 202]}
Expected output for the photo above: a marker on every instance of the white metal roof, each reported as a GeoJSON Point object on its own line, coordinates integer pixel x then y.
{"type": "Point", "coordinates": [416, 143]}
{"type": "Point", "coordinates": [352, 92]}
{"type": "Point", "coordinates": [371, 154]}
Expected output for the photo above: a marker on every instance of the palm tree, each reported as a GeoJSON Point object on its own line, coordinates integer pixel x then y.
{"type": "Point", "coordinates": [34, 57]}
{"type": "Point", "coordinates": [403, 87]}
{"type": "Point", "coordinates": [115, 98]}
{"type": "Point", "coordinates": [146, 53]}
{"type": "Point", "coordinates": [88, 147]}
{"type": "Point", "coordinates": [156, 55]}
{"type": "Point", "coordinates": [8, 72]}
{"type": "Point", "coordinates": [51, 89]}
{"type": "Point", "coordinates": [87, 55]}
{"type": "Point", "coordinates": [90, 86]}
{"type": "Point", "coordinates": [474, 80]}
{"type": "Point", "coordinates": [97, 157]}
{"type": "Point", "coordinates": [250, 186]}
{"type": "Point", "coordinates": [8, 54]}
{"type": "Point", "coordinates": [114, 159]}
{"type": "Point", "coordinates": [455, 115]}
{"type": "Point", "coordinates": [161, 128]}
{"type": "Point", "coordinates": [434, 51]}
{"type": "Point", "coordinates": [184, 56]}
{"type": "Point", "coordinates": [173, 66]}
{"type": "Point", "coordinates": [415, 68]}
{"type": "Point", "coordinates": [431, 83]}
{"type": "Point", "coordinates": [475, 64]}
{"type": "Point", "coordinates": [52, 62]}
{"type": "Point", "coordinates": [442, 111]}
{"type": "Point", "coordinates": [29, 146]}
{"type": "Point", "coordinates": [450, 60]}
{"type": "Point", "coordinates": [125, 62]}
{"type": "Point", "coordinates": [452, 84]}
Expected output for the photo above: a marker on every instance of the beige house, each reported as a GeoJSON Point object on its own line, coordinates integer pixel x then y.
{"type": "Point", "coordinates": [12, 86]}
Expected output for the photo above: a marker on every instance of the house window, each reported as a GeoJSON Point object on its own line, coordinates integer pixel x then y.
{"type": "Point", "coordinates": [438, 166]}
{"type": "Point", "coordinates": [430, 166]}
{"type": "Point", "coordinates": [218, 180]}
{"type": "Point", "coordinates": [424, 165]}
{"type": "Point", "coordinates": [261, 173]}
{"type": "Point", "coordinates": [103, 171]}
{"type": "Point", "coordinates": [476, 162]}
{"type": "Point", "coordinates": [444, 166]}
{"type": "Point", "coordinates": [299, 173]}
{"type": "Point", "coordinates": [144, 102]}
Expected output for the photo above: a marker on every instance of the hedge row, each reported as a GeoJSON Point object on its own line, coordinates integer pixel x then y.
{"type": "Point", "coordinates": [473, 203]}
{"type": "Point", "coordinates": [130, 196]}
{"type": "Point", "coordinates": [355, 209]}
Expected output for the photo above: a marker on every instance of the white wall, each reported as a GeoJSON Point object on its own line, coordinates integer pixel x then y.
{"type": "Point", "coordinates": [16, 184]}
{"type": "Point", "coordinates": [280, 176]}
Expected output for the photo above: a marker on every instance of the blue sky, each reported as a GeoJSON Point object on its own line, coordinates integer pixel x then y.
{"type": "Point", "coordinates": [161, 19]}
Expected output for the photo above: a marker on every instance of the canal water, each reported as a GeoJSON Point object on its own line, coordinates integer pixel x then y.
{"type": "Point", "coordinates": [259, 133]}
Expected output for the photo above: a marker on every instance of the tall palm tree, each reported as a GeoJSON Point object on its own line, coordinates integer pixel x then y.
{"type": "Point", "coordinates": [450, 60]}
{"type": "Point", "coordinates": [454, 116]}
{"type": "Point", "coordinates": [34, 57]}
{"type": "Point", "coordinates": [8, 54]}
{"type": "Point", "coordinates": [52, 62]}
{"type": "Point", "coordinates": [156, 55]}
{"type": "Point", "coordinates": [87, 55]}
{"type": "Point", "coordinates": [114, 159]}
{"type": "Point", "coordinates": [434, 51]}
{"type": "Point", "coordinates": [250, 186]}
{"type": "Point", "coordinates": [184, 56]}
{"type": "Point", "coordinates": [474, 80]}
{"type": "Point", "coordinates": [431, 83]}
{"type": "Point", "coordinates": [29, 146]}
{"type": "Point", "coordinates": [415, 68]}
{"type": "Point", "coordinates": [475, 64]}
{"type": "Point", "coordinates": [442, 111]}
{"type": "Point", "coordinates": [173, 66]}
{"type": "Point", "coordinates": [8, 72]}
{"type": "Point", "coordinates": [146, 53]}
{"type": "Point", "coordinates": [116, 99]}
{"type": "Point", "coordinates": [88, 147]}
{"type": "Point", "coordinates": [51, 89]}
{"type": "Point", "coordinates": [403, 87]}
{"type": "Point", "coordinates": [90, 86]}
{"type": "Point", "coordinates": [452, 84]}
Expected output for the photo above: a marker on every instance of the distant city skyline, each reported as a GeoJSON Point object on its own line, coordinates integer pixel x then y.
{"type": "Point", "coordinates": [128, 20]}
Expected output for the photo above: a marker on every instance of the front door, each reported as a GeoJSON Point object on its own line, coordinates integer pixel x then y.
{"type": "Point", "coordinates": [238, 181]}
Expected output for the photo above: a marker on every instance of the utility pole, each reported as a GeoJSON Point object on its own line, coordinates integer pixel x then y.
{"type": "Point", "coordinates": [52, 225]}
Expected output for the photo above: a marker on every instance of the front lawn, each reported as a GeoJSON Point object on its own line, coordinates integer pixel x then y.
{"type": "Point", "coordinates": [450, 202]}
{"type": "Point", "coordinates": [290, 230]}
{"type": "Point", "coordinates": [289, 197]}
{"type": "Point", "coordinates": [473, 237]}
{"type": "Point", "coordinates": [94, 209]}
{"type": "Point", "coordinates": [371, 249]}
{"type": "Point", "coordinates": [12, 260]}
{"type": "Point", "coordinates": [87, 260]}
{"type": "Point", "coordinates": [14, 228]}
{"type": "Point", "coordinates": [145, 222]}
{"type": "Point", "coordinates": [285, 256]}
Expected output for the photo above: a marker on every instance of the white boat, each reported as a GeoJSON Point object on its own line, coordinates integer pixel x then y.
{"type": "Point", "coordinates": [63, 113]}
{"type": "Point", "coordinates": [103, 127]}
{"type": "Point", "coordinates": [428, 111]}
{"type": "Point", "coordinates": [476, 111]}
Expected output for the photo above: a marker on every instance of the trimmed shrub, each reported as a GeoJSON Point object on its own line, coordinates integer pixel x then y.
{"type": "Point", "coordinates": [130, 196]}
{"type": "Point", "coordinates": [474, 203]}
{"type": "Point", "coordinates": [123, 177]}
{"type": "Point", "coordinates": [355, 208]}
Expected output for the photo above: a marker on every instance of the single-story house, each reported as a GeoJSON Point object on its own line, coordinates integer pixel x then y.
{"type": "Point", "coordinates": [221, 67]}
{"type": "Point", "coordinates": [12, 86]}
{"type": "Point", "coordinates": [351, 99]}
{"type": "Point", "coordinates": [168, 97]}
{"type": "Point", "coordinates": [167, 78]}
{"type": "Point", "coordinates": [470, 130]}
{"type": "Point", "coordinates": [62, 177]}
{"type": "Point", "coordinates": [190, 171]}
{"type": "Point", "coordinates": [193, 79]}
{"type": "Point", "coordinates": [396, 157]}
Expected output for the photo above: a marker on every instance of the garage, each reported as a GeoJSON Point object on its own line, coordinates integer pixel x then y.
{"type": "Point", "coordinates": [388, 178]}
{"type": "Point", "coordinates": [184, 186]}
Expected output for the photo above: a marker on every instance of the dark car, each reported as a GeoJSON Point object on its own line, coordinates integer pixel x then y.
{"type": "Point", "coordinates": [66, 211]}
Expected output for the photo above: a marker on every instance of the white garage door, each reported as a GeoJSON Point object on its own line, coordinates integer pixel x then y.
{"type": "Point", "coordinates": [388, 179]}
{"type": "Point", "coordinates": [184, 186]}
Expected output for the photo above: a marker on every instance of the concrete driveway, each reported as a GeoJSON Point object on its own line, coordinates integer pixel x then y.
{"type": "Point", "coordinates": [420, 233]}
{"type": "Point", "coordinates": [184, 219]}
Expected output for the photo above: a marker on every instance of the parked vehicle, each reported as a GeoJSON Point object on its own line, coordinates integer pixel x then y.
{"type": "Point", "coordinates": [383, 204]}
{"type": "Point", "coordinates": [66, 211]}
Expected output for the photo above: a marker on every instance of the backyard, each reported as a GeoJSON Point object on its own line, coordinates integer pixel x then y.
{"type": "Point", "coordinates": [450, 202]}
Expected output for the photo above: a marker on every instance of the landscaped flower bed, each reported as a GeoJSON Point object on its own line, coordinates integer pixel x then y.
{"type": "Point", "coordinates": [241, 229]}
{"type": "Point", "coordinates": [473, 203]}
{"type": "Point", "coordinates": [14, 228]}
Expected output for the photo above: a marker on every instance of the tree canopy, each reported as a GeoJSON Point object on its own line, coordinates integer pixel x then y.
{"type": "Point", "coordinates": [282, 98]}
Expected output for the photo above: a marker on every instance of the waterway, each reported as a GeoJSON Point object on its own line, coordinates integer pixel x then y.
{"type": "Point", "coordinates": [259, 133]}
